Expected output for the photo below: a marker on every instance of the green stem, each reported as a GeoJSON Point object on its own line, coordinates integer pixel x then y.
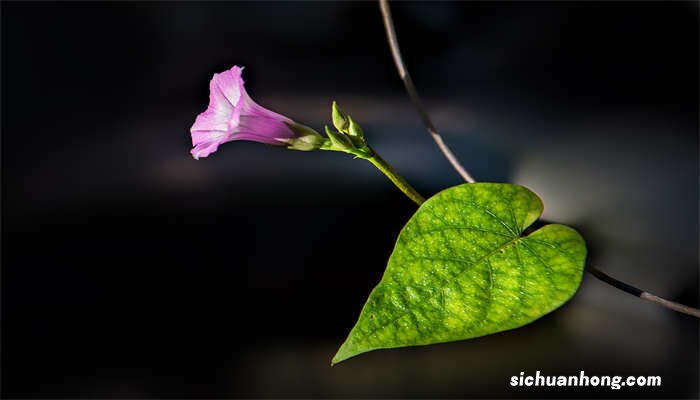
{"type": "Point", "coordinates": [401, 183]}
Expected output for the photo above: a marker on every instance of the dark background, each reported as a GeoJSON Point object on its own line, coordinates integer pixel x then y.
{"type": "Point", "coordinates": [131, 270]}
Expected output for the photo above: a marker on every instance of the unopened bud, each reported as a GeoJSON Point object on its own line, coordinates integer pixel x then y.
{"type": "Point", "coordinates": [340, 120]}
{"type": "Point", "coordinates": [355, 129]}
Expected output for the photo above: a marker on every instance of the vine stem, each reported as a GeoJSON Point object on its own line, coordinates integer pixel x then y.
{"type": "Point", "coordinates": [413, 95]}
{"type": "Point", "coordinates": [681, 308]}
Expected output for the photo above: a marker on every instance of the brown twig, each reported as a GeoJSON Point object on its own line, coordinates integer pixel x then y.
{"type": "Point", "coordinates": [413, 95]}
{"type": "Point", "coordinates": [681, 308]}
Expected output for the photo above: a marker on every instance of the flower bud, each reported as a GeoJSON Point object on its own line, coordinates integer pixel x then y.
{"type": "Point", "coordinates": [355, 129]}
{"type": "Point", "coordinates": [340, 120]}
{"type": "Point", "coordinates": [339, 140]}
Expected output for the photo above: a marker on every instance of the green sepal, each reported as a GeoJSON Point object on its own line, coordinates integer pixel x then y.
{"type": "Point", "coordinates": [306, 139]}
{"type": "Point", "coordinates": [307, 143]}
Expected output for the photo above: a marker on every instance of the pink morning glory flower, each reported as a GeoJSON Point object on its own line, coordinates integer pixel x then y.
{"type": "Point", "coordinates": [233, 115]}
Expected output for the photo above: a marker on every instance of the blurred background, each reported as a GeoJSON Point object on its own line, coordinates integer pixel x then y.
{"type": "Point", "coordinates": [131, 270]}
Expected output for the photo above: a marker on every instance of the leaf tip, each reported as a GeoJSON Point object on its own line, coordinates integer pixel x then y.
{"type": "Point", "coordinates": [344, 352]}
{"type": "Point", "coordinates": [342, 355]}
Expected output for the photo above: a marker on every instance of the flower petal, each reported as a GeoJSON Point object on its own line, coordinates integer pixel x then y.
{"type": "Point", "coordinates": [269, 130]}
{"type": "Point", "coordinates": [206, 147]}
{"type": "Point", "coordinates": [249, 107]}
{"type": "Point", "coordinates": [212, 120]}
{"type": "Point", "coordinates": [226, 86]}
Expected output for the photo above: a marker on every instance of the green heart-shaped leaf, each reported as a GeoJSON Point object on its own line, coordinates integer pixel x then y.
{"type": "Point", "coordinates": [461, 269]}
